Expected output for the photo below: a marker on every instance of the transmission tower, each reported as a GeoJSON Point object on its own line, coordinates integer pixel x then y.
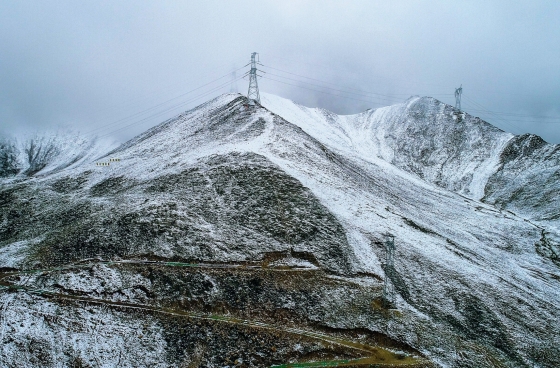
{"type": "Point", "coordinates": [458, 92]}
{"type": "Point", "coordinates": [388, 287]}
{"type": "Point", "coordinates": [253, 93]}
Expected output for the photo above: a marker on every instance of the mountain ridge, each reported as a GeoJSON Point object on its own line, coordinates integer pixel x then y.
{"type": "Point", "coordinates": [473, 167]}
{"type": "Point", "coordinates": [230, 182]}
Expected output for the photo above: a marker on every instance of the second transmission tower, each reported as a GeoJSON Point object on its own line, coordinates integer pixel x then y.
{"type": "Point", "coordinates": [253, 93]}
{"type": "Point", "coordinates": [458, 92]}
{"type": "Point", "coordinates": [389, 292]}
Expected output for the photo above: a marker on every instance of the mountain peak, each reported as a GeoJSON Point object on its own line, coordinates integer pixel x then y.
{"type": "Point", "coordinates": [243, 216]}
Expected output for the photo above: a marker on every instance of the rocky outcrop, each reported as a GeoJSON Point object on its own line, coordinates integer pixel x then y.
{"type": "Point", "coordinates": [234, 225]}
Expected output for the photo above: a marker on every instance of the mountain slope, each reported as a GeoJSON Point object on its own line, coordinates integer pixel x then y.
{"type": "Point", "coordinates": [289, 186]}
{"type": "Point", "coordinates": [48, 153]}
{"type": "Point", "coordinates": [470, 156]}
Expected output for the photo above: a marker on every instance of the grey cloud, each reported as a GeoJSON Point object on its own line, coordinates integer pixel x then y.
{"type": "Point", "coordinates": [85, 65]}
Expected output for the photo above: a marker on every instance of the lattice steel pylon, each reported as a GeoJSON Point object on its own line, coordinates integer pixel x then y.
{"type": "Point", "coordinates": [253, 93]}
{"type": "Point", "coordinates": [389, 292]}
{"type": "Point", "coordinates": [458, 92]}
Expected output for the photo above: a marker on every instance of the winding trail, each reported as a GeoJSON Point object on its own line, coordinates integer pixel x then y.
{"type": "Point", "coordinates": [374, 355]}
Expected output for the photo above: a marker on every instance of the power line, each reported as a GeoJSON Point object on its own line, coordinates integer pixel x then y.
{"type": "Point", "coordinates": [333, 89]}
{"type": "Point", "coordinates": [458, 97]}
{"type": "Point", "coordinates": [316, 65]}
{"type": "Point", "coordinates": [532, 117]}
{"type": "Point", "coordinates": [325, 82]}
{"type": "Point", "coordinates": [495, 116]}
{"type": "Point", "coordinates": [473, 110]}
{"type": "Point", "coordinates": [158, 105]}
{"type": "Point", "coordinates": [395, 95]}
{"type": "Point", "coordinates": [311, 89]}
{"type": "Point", "coordinates": [170, 108]}
{"type": "Point", "coordinates": [126, 104]}
{"type": "Point", "coordinates": [508, 122]}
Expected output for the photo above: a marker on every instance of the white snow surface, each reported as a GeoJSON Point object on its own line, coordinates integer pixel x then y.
{"type": "Point", "coordinates": [373, 134]}
{"type": "Point", "coordinates": [51, 152]}
{"type": "Point", "coordinates": [369, 195]}
{"type": "Point", "coordinates": [97, 336]}
{"type": "Point", "coordinates": [361, 168]}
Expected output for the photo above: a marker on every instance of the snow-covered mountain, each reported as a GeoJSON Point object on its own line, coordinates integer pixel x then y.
{"type": "Point", "coordinates": [461, 153]}
{"type": "Point", "coordinates": [301, 200]}
{"type": "Point", "coordinates": [422, 136]}
{"type": "Point", "coordinates": [40, 155]}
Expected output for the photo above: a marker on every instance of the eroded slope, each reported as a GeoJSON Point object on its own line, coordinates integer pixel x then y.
{"type": "Point", "coordinates": [228, 182]}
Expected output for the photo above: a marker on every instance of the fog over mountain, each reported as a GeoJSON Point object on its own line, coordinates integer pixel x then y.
{"type": "Point", "coordinates": [91, 64]}
{"type": "Point", "coordinates": [353, 215]}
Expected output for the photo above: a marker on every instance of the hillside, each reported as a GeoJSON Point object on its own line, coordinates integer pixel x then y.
{"type": "Point", "coordinates": [421, 136]}
{"type": "Point", "coordinates": [253, 236]}
{"type": "Point", "coordinates": [39, 155]}
{"type": "Point", "coordinates": [471, 157]}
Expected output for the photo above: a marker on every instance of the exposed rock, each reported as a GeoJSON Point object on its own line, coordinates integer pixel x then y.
{"type": "Point", "coordinates": [252, 236]}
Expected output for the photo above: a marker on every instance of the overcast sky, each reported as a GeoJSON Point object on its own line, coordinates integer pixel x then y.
{"type": "Point", "coordinates": [96, 66]}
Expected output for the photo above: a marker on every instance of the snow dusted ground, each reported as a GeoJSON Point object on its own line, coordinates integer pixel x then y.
{"type": "Point", "coordinates": [36, 332]}
{"type": "Point", "coordinates": [473, 283]}
{"type": "Point", "coordinates": [519, 174]}
{"type": "Point", "coordinates": [419, 136]}
{"type": "Point", "coordinates": [470, 157]}
{"type": "Point", "coordinates": [41, 155]}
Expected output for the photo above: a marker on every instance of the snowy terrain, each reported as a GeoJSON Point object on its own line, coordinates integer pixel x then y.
{"type": "Point", "coordinates": [423, 137]}
{"type": "Point", "coordinates": [48, 153]}
{"type": "Point", "coordinates": [474, 211]}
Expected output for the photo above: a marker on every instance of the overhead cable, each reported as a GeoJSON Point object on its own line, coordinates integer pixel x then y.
{"type": "Point", "coordinates": [311, 89]}
{"type": "Point", "coordinates": [170, 108]}
{"type": "Point", "coordinates": [160, 104]}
